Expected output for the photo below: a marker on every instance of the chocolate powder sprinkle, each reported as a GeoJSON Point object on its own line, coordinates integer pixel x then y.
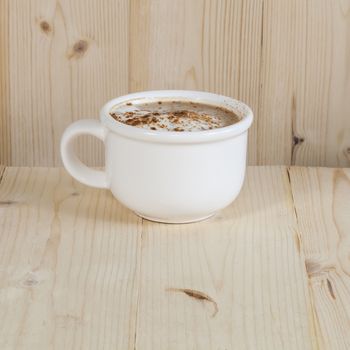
{"type": "Point", "coordinates": [173, 118]}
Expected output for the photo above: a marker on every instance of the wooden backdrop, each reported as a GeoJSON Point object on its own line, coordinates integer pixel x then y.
{"type": "Point", "coordinates": [288, 59]}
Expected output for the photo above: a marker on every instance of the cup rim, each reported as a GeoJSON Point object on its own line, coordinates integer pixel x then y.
{"type": "Point", "coordinates": [238, 107]}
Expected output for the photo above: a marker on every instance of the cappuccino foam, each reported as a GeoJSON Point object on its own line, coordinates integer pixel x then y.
{"type": "Point", "coordinates": [173, 115]}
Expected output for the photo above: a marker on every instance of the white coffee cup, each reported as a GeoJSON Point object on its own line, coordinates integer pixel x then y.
{"type": "Point", "coordinates": [171, 177]}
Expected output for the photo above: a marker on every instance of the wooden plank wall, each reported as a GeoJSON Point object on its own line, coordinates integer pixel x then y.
{"type": "Point", "coordinates": [61, 60]}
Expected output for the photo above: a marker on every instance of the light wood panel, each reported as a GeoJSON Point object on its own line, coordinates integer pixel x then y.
{"type": "Point", "coordinates": [199, 45]}
{"type": "Point", "coordinates": [322, 202]}
{"type": "Point", "coordinates": [310, 124]}
{"type": "Point", "coordinates": [79, 271]}
{"type": "Point", "coordinates": [305, 83]}
{"type": "Point", "coordinates": [65, 60]}
{"type": "Point", "coordinates": [271, 271]}
{"type": "Point", "coordinates": [5, 127]}
{"type": "Point", "coordinates": [282, 72]}
{"type": "Point", "coordinates": [60, 61]}
{"type": "Point", "coordinates": [234, 282]}
{"type": "Point", "coordinates": [338, 122]}
{"type": "Point", "coordinates": [69, 264]}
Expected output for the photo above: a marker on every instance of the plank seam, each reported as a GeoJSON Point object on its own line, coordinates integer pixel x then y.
{"type": "Point", "coordinates": [258, 155]}
{"type": "Point", "coordinates": [138, 285]}
{"type": "Point", "coordinates": [5, 119]}
{"type": "Point", "coordinates": [315, 322]}
{"type": "Point", "coordinates": [2, 172]}
{"type": "Point", "coordinates": [292, 196]}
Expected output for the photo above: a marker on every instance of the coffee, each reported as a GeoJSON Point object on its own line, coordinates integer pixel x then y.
{"type": "Point", "coordinates": [173, 115]}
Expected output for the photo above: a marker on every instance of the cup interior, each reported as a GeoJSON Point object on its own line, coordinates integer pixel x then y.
{"type": "Point", "coordinates": [243, 112]}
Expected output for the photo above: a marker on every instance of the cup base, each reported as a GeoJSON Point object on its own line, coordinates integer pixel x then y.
{"type": "Point", "coordinates": [174, 221]}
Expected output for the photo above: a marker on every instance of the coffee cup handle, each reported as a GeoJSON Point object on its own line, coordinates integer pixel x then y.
{"type": "Point", "coordinates": [73, 165]}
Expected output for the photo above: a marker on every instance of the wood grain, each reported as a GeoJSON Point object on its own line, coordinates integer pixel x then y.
{"type": "Point", "coordinates": [338, 122]}
{"type": "Point", "coordinates": [271, 271]}
{"type": "Point", "coordinates": [236, 281]}
{"type": "Point", "coordinates": [322, 202]}
{"type": "Point", "coordinates": [80, 271]}
{"type": "Point", "coordinates": [69, 264]}
{"type": "Point", "coordinates": [304, 106]}
{"type": "Point", "coordinates": [199, 45]}
{"type": "Point", "coordinates": [310, 124]}
{"type": "Point", "coordinates": [5, 126]}
{"type": "Point", "coordinates": [60, 61]}
{"type": "Point", "coordinates": [62, 67]}
{"type": "Point", "coordinates": [2, 170]}
{"type": "Point", "coordinates": [282, 66]}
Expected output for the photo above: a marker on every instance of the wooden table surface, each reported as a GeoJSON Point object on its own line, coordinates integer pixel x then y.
{"type": "Point", "coordinates": [80, 271]}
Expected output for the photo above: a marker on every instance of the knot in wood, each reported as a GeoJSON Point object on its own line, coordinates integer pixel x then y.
{"type": "Point", "coordinates": [45, 27]}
